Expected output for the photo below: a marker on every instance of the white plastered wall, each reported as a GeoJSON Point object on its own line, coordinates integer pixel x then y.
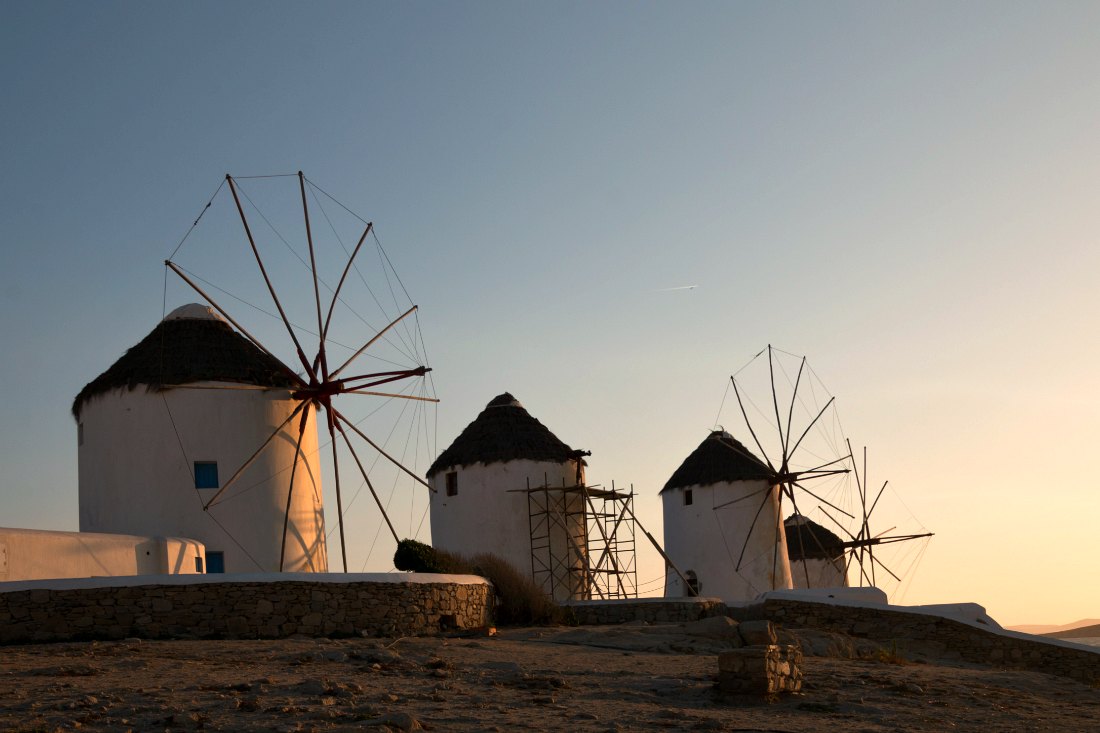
{"type": "Point", "coordinates": [136, 473]}
{"type": "Point", "coordinates": [821, 573]}
{"type": "Point", "coordinates": [490, 512]}
{"type": "Point", "coordinates": [709, 541]}
{"type": "Point", "coordinates": [32, 554]}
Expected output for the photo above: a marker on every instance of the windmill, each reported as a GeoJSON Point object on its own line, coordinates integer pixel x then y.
{"type": "Point", "coordinates": [327, 371]}
{"type": "Point", "coordinates": [793, 423]}
{"type": "Point", "coordinates": [792, 420]}
{"type": "Point", "coordinates": [861, 545]}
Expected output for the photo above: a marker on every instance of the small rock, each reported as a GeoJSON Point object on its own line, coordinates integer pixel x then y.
{"type": "Point", "coordinates": [912, 688]}
{"type": "Point", "coordinates": [335, 656]}
{"type": "Point", "coordinates": [400, 721]}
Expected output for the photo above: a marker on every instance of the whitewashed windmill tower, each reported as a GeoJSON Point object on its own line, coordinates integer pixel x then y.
{"type": "Point", "coordinates": [482, 483]}
{"type": "Point", "coordinates": [159, 431]}
{"type": "Point", "coordinates": [818, 556]}
{"type": "Point", "coordinates": [721, 512]}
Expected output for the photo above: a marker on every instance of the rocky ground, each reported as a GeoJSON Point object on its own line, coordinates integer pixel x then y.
{"type": "Point", "coordinates": [624, 678]}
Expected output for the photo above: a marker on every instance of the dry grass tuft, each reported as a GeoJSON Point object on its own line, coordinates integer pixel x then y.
{"type": "Point", "coordinates": [519, 600]}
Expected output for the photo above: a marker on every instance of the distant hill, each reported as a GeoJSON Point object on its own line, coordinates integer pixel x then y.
{"type": "Point", "coordinates": [1077, 633]}
{"type": "Point", "coordinates": [1052, 629]}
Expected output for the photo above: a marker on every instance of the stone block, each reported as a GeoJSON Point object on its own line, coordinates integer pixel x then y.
{"type": "Point", "coordinates": [757, 633]}
{"type": "Point", "coordinates": [760, 670]}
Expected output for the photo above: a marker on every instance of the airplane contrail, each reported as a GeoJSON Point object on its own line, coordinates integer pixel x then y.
{"type": "Point", "coordinates": [679, 287]}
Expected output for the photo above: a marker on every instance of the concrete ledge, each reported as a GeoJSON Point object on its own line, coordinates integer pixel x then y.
{"type": "Point", "coordinates": [129, 581]}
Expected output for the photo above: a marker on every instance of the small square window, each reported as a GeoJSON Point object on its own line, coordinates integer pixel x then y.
{"type": "Point", "coordinates": [452, 483]}
{"type": "Point", "coordinates": [206, 474]}
{"type": "Point", "coordinates": [688, 498]}
{"type": "Point", "coordinates": [198, 565]}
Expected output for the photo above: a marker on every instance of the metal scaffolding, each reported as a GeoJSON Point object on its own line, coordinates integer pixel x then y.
{"type": "Point", "coordinates": [582, 541]}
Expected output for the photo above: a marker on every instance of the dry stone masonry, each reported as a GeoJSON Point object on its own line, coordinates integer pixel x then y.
{"type": "Point", "coordinates": [765, 670]}
{"type": "Point", "coordinates": [651, 610]}
{"type": "Point", "coordinates": [246, 610]}
{"type": "Point", "coordinates": [916, 634]}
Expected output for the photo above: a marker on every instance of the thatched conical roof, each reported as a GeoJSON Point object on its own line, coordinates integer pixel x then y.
{"type": "Point", "coordinates": [504, 431]}
{"type": "Point", "coordinates": [191, 344]}
{"type": "Point", "coordinates": [718, 459]}
{"type": "Point", "coordinates": [806, 539]}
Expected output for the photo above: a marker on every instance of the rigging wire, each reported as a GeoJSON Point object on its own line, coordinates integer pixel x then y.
{"type": "Point", "coordinates": [187, 466]}
{"type": "Point", "coordinates": [197, 220]}
{"type": "Point", "coordinates": [355, 266]}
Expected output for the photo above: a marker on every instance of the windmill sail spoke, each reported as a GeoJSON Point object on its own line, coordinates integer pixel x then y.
{"type": "Point", "coordinates": [794, 398]}
{"type": "Point", "coordinates": [775, 404]}
{"type": "Point", "coordinates": [321, 359]}
{"type": "Point", "coordinates": [213, 304]}
{"type": "Point", "coordinates": [392, 394]}
{"type": "Point", "coordinates": [343, 277]}
{"type": "Point", "coordinates": [803, 475]}
{"type": "Point", "coordinates": [737, 393]}
{"type": "Point", "coordinates": [826, 465]}
{"type": "Point", "coordinates": [267, 280]}
{"type": "Point", "coordinates": [367, 345]}
{"type": "Point", "coordinates": [748, 535]}
{"type": "Point", "coordinates": [339, 499]}
{"type": "Point", "coordinates": [343, 420]}
{"type": "Point", "coordinates": [879, 496]}
{"type": "Point", "coordinates": [838, 524]}
{"type": "Point", "coordinates": [254, 456]}
{"type": "Point", "coordinates": [859, 481]}
{"type": "Point", "coordinates": [824, 501]}
{"type": "Point", "coordinates": [811, 425]}
{"type": "Point", "coordinates": [290, 489]}
{"type": "Point", "coordinates": [387, 377]}
{"type": "Point", "coordinates": [750, 495]}
{"type": "Point", "coordinates": [801, 542]}
{"type": "Point", "coordinates": [229, 387]}
{"type": "Point", "coordinates": [366, 478]}
{"type": "Point", "coordinates": [876, 561]}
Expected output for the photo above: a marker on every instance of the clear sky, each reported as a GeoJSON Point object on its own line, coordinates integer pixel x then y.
{"type": "Point", "coordinates": [906, 193]}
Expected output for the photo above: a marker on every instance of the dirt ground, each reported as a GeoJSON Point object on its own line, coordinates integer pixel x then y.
{"type": "Point", "coordinates": [557, 679]}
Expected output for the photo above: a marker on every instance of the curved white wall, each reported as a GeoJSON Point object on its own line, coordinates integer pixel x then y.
{"type": "Point", "coordinates": [708, 541]}
{"type": "Point", "coordinates": [136, 462]}
{"type": "Point", "coordinates": [819, 573]}
{"type": "Point", "coordinates": [490, 513]}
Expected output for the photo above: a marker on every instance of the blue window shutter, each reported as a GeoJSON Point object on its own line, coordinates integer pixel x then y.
{"type": "Point", "coordinates": [206, 475]}
{"type": "Point", "coordinates": [215, 561]}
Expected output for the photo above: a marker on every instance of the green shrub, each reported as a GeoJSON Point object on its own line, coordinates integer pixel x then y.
{"type": "Point", "coordinates": [417, 557]}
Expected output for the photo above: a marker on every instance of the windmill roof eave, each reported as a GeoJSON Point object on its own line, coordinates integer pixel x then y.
{"type": "Point", "coordinates": [808, 540]}
{"type": "Point", "coordinates": [186, 350]}
{"type": "Point", "coordinates": [504, 431]}
{"type": "Point", "coordinates": [720, 458]}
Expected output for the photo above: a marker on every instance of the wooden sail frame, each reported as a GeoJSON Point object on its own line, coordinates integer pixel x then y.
{"type": "Point", "coordinates": [320, 386]}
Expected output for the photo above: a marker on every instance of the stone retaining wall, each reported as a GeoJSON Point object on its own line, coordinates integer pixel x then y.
{"type": "Point", "coordinates": [915, 633]}
{"type": "Point", "coordinates": [245, 610]}
{"type": "Point", "coordinates": [652, 610]}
